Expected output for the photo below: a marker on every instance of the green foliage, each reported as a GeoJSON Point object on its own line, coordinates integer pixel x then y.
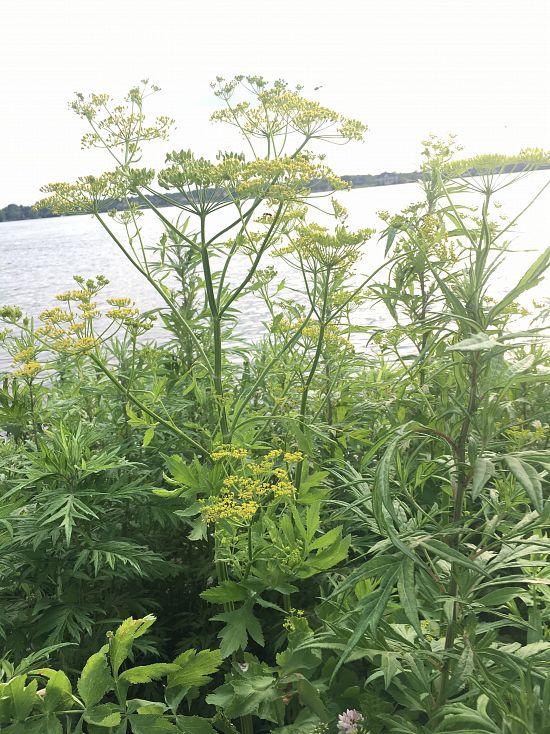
{"type": "Point", "coordinates": [322, 530]}
{"type": "Point", "coordinates": [102, 690]}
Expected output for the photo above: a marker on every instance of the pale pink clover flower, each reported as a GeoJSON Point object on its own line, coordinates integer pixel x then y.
{"type": "Point", "coordinates": [347, 722]}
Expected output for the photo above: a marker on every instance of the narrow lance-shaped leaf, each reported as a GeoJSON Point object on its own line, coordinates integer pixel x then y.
{"type": "Point", "coordinates": [483, 471]}
{"type": "Point", "coordinates": [479, 342]}
{"type": "Point", "coordinates": [528, 281]}
{"type": "Point", "coordinates": [407, 593]}
{"type": "Point", "coordinates": [529, 479]}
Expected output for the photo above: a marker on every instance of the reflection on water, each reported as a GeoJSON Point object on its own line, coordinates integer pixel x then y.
{"type": "Point", "coordinates": [39, 257]}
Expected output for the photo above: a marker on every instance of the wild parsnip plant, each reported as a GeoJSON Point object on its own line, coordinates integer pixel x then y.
{"type": "Point", "coordinates": [333, 539]}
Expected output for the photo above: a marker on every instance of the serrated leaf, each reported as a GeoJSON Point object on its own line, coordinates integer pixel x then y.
{"type": "Point", "coordinates": [22, 697]}
{"type": "Point", "coordinates": [148, 673]}
{"type": "Point", "coordinates": [124, 637]}
{"type": "Point", "coordinates": [531, 277]}
{"type": "Point", "coordinates": [95, 679]}
{"type": "Point", "coordinates": [502, 596]}
{"type": "Point", "coordinates": [148, 436]}
{"type": "Point", "coordinates": [58, 691]}
{"type": "Point", "coordinates": [143, 724]}
{"type": "Point", "coordinates": [105, 715]}
{"type": "Point", "coordinates": [240, 623]}
{"type": "Point", "coordinates": [194, 670]}
{"type": "Point", "coordinates": [442, 550]}
{"type": "Point", "coordinates": [227, 591]}
{"type": "Point", "coordinates": [372, 609]}
{"type": "Point", "coordinates": [195, 725]}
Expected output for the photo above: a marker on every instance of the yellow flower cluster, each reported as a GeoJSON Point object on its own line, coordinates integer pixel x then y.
{"type": "Point", "coordinates": [315, 244]}
{"type": "Point", "coordinates": [312, 330]}
{"type": "Point", "coordinates": [72, 330]}
{"type": "Point", "coordinates": [243, 495]}
{"type": "Point", "coordinates": [280, 179]}
{"type": "Point", "coordinates": [523, 436]}
{"type": "Point", "coordinates": [246, 488]}
{"type": "Point", "coordinates": [122, 313]}
{"type": "Point", "coordinates": [24, 355]}
{"type": "Point", "coordinates": [121, 124]}
{"type": "Point", "coordinates": [281, 111]}
{"type": "Point", "coordinates": [29, 369]}
{"type": "Point", "coordinates": [75, 295]}
{"type": "Point", "coordinates": [89, 194]}
{"type": "Point", "coordinates": [55, 315]}
{"type": "Point", "coordinates": [226, 507]}
{"type": "Point", "coordinates": [294, 615]}
{"type": "Point", "coordinates": [119, 302]}
{"type": "Point", "coordinates": [89, 310]}
{"type": "Point", "coordinates": [228, 451]}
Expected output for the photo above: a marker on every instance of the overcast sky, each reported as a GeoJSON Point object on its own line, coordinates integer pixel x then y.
{"type": "Point", "coordinates": [477, 68]}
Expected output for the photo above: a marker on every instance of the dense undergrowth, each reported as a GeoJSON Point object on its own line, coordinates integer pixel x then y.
{"type": "Point", "coordinates": [329, 537]}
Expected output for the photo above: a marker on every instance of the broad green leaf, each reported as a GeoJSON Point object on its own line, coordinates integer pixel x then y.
{"type": "Point", "coordinates": [149, 708]}
{"type": "Point", "coordinates": [142, 724]}
{"type": "Point", "coordinates": [194, 670]}
{"type": "Point", "coordinates": [328, 557]}
{"type": "Point", "coordinates": [326, 539]}
{"type": "Point", "coordinates": [95, 680]}
{"type": "Point", "coordinates": [105, 715]}
{"type": "Point", "coordinates": [181, 472]}
{"type": "Point", "coordinates": [239, 624]}
{"type": "Point", "coordinates": [21, 697]}
{"type": "Point", "coordinates": [310, 697]}
{"type": "Point", "coordinates": [58, 692]}
{"type": "Point", "coordinates": [195, 725]}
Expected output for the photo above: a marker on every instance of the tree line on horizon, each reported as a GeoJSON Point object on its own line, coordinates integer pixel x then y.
{"type": "Point", "coordinates": [17, 212]}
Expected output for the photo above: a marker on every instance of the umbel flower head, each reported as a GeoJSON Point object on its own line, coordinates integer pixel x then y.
{"type": "Point", "coordinates": [280, 112]}
{"type": "Point", "coordinates": [316, 245]}
{"type": "Point", "coordinates": [211, 185]}
{"type": "Point", "coordinates": [121, 126]}
{"type": "Point", "coordinates": [94, 194]}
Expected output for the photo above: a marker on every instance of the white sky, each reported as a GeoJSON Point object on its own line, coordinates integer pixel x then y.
{"type": "Point", "coordinates": [477, 68]}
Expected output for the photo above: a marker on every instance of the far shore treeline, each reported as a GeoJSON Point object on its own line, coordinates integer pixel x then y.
{"type": "Point", "coordinates": [16, 212]}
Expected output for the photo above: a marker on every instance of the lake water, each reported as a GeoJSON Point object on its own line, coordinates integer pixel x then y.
{"type": "Point", "coordinates": [39, 257]}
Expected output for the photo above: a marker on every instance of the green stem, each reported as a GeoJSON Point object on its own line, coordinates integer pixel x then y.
{"type": "Point", "coordinates": [151, 413]}
{"type": "Point", "coordinates": [162, 292]}
{"type": "Point", "coordinates": [311, 374]}
{"type": "Point", "coordinates": [463, 478]}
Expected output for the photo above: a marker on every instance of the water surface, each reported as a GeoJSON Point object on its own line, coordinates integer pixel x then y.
{"type": "Point", "coordinates": [39, 257]}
